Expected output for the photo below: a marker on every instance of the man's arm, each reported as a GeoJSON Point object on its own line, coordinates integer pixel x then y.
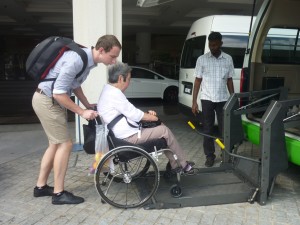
{"type": "Point", "coordinates": [66, 101]}
{"type": "Point", "coordinates": [82, 98]}
{"type": "Point", "coordinates": [230, 85]}
{"type": "Point", "coordinates": [197, 84]}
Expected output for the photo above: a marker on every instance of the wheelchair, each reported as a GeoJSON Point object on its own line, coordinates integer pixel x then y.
{"type": "Point", "coordinates": [121, 174]}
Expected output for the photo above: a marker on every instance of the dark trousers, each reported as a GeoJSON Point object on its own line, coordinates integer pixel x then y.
{"type": "Point", "coordinates": [209, 109]}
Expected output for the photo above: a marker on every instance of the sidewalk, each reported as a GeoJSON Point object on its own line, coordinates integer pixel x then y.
{"type": "Point", "coordinates": [22, 147]}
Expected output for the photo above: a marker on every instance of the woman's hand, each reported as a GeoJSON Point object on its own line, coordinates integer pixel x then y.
{"type": "Point", "coordinates": [151, 112]}
{"type": "Point", "coordinates": [150, 116]}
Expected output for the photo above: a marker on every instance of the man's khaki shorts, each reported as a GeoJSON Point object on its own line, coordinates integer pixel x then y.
{"type": "Point", "coordinates": [52, 117]}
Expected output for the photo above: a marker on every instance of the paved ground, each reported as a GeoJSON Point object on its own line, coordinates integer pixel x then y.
{"type": "Point", "coordinates": [18, 174]}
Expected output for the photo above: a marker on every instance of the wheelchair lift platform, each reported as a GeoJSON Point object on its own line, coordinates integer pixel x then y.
{"type": "Point", "coordinates": [239, 178]}
{"type": "Point", "coordinates": [209, 186]}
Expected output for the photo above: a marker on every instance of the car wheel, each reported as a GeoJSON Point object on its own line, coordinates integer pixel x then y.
{"type": "Point", "coordinates": [171, 94]}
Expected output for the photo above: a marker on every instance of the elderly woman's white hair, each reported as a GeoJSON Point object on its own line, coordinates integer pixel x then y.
{"type": "Point", "coordinates": [117, 69]}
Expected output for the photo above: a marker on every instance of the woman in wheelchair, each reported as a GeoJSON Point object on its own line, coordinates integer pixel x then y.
{"type": "Point", "coordinates": [113, 102]}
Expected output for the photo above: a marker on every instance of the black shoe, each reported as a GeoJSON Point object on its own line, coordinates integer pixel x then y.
{"type": "Point", "coordinates": [66, 198]}
{"type": "Point", "coordinates": [210, 161]}
{"type": "Point", "coordinates": [172, 171]}
{"type": "Point", "coordinates": [188, 169]}
{"type": "Point", "coordinates": [168, 166]}
{"type": "Point", "coordinates": [43, 191]}
{"type": "Point", "coordinates": [175, 170]}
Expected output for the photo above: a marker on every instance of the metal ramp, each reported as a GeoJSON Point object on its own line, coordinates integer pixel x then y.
{"type": "Point", "coordinates": [238, 178]}
{"type": "Point", "coordinates": [209, 186]}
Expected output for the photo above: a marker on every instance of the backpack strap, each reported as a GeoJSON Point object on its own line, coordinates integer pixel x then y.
{"type": "Point", "coordinates": [74, 47]}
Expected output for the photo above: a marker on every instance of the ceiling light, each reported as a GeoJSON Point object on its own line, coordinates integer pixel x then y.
{"type": "Point", "coordinates": [150, 3]}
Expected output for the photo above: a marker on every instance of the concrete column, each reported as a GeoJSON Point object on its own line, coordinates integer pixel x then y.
{"type": "Point", "coordinates": [143, 43]}
{"type": "Point", "coordinates": [91, 20]}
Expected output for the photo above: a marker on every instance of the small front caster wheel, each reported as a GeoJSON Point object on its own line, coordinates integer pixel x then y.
{"type": "Point", "coordinates": [175, 191]}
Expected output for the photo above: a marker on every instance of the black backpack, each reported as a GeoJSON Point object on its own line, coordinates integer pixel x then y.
{"type": "Point", "coordinates": [44, 56]}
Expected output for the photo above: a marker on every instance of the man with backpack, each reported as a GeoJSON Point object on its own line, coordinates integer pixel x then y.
{"type": "Point", "coordinates": [50, 101]}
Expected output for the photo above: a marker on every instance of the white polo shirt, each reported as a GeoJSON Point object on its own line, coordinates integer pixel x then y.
{"type": "Point", "coordinates": [112, 102]}
{"type": "Point", "coordinates": [214, 73]}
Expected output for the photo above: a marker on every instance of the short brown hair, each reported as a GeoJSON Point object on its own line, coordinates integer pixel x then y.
{"type": "Point", "coordinates": [107, 42]}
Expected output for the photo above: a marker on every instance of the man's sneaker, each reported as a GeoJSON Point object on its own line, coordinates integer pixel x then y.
{"type": "Point", "coordinates": [66, 197]}
{"type": "Point", "coordinates": [209, 161]}
{"type": "Point", "coordinates": [43, 191]}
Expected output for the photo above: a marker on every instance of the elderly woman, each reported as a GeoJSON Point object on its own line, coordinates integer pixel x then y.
{"type": "Point", "coordinates": [113, 102]}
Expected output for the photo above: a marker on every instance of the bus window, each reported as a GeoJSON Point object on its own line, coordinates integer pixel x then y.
{"type": "Point", "coordinates": [282, 46]}
{"type": "Point", "coordinates": [235, 46]}
{"type": "Point", "coordinates": [193, 48]}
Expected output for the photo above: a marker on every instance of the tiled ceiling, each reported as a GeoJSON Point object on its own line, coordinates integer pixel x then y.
{"type": "Point", "coordinates": [54, 17]}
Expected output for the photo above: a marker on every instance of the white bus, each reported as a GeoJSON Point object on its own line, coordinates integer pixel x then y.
{"type": "Point", "coordinates": [273, 61]}
{"type": "Point", "coordinates": [235, 32]}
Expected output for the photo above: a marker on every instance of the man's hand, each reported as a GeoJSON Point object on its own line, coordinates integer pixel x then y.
{"type": "Point", "coordinates": [195, 108]}
{"type": "Point", "coordinates": [89, 114]}
{"type": "Point", "coordinates": [92, 106]}
{"type": "Point", "coordinates": [197, 83]}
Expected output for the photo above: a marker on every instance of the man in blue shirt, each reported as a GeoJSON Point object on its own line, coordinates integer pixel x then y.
{"type": "Point", "coordinates": [50, 102]}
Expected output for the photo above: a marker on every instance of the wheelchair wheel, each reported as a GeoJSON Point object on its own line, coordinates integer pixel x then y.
{"type": "Point", "coordinates": [122, 181]}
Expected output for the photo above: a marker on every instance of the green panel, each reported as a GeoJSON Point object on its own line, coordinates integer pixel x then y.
{"type": "Point", "coordinates": [252, 133]}
{"type": "Point", "coordinates": [293, 149]}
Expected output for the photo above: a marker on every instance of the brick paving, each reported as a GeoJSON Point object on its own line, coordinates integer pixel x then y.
{"type": "Point", "coordinates": [18, 206]}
